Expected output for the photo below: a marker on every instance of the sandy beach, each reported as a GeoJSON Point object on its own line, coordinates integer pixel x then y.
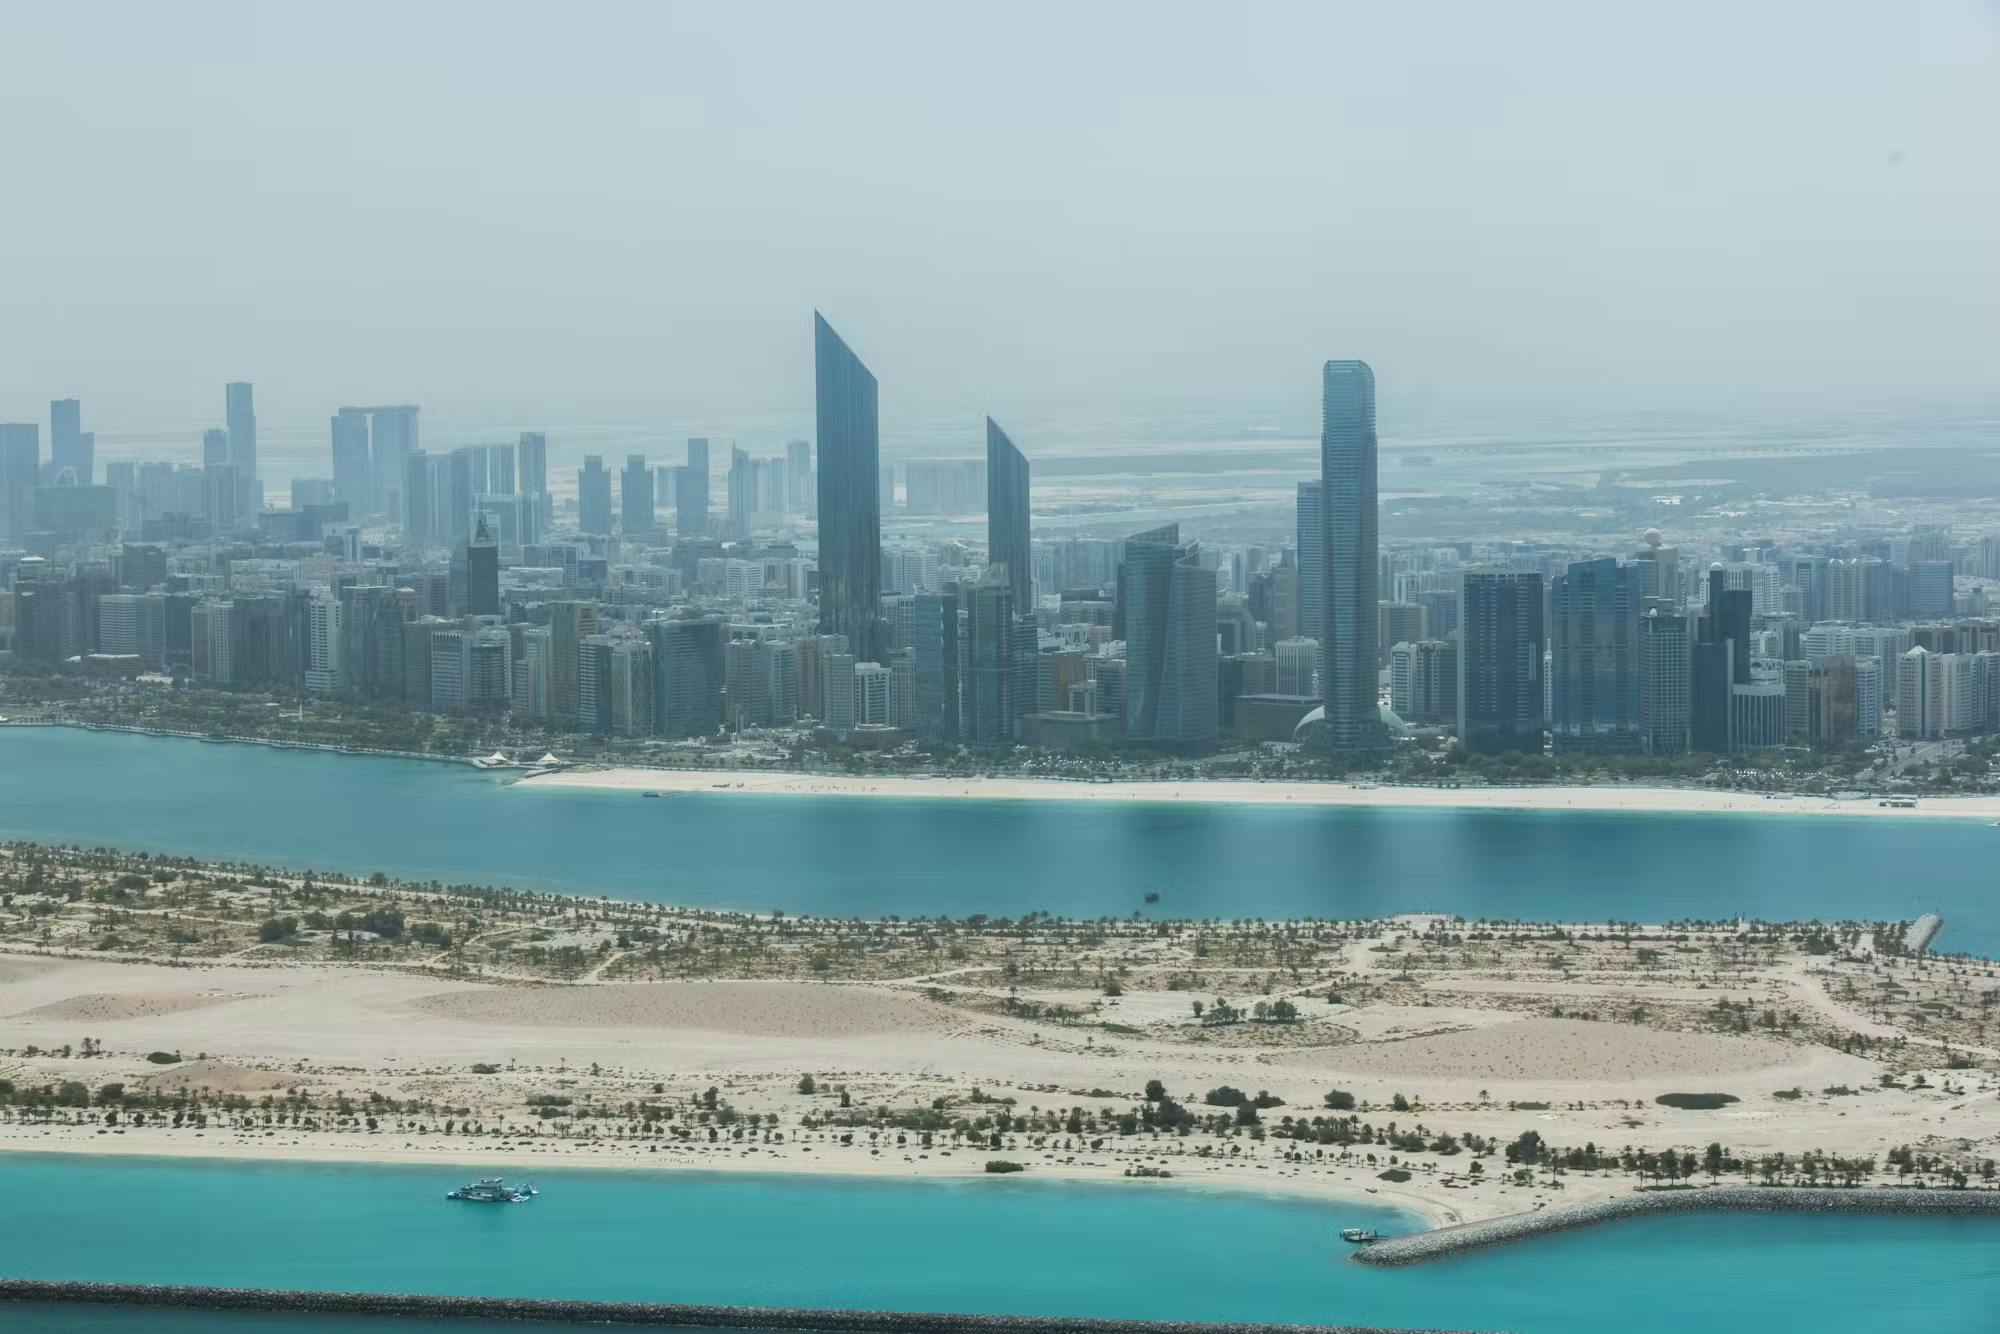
{"type": "Point", "coordinates": [1622, 798]}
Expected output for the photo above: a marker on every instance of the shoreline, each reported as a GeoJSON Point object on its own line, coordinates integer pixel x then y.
{"type": "Point", "coordinates": [1608, 799]}
{"type": "Point", "coordinates": [1426, 1208]}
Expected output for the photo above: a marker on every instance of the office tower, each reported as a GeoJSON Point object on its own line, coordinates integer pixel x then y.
{"type": "Point", "coordinates": [1349, 671]}
{"type": "Point", "coordinates": [635, 500]}
{"type": "Point", "coordinates": [1297, 662]}
{"type": "Point", "coordinates": [688, 676]}
{"type": "Point", "coordinates": [991, 706]}
{"type": "Point", "coordinates": [482, 570]}
{"type": "Point", "coordinates": [533, 455]}
{"type": "Point", "coordinates": [465, 477]}
{"type": "Point", "coordinates": [353, 479]}
{"type": "Point", "coordinates": [215, 449]}
{"type": "Point", "coordinates": [1595, 650]}
{"type": "Point", "coordinates": [838, 715]}
{"type": "Point", "coordinates": [691, 491]}
{"type": "Point", "coordinates": [531, 673]}
{"type": "Point", "coordinates": [241, 418]}
{"type": "Point", "coordinates": [593, 496]}
{"type": "Point", "coordinates": [70, 446]}
{"type": "Point", "coordinates": [799, 477]}
{"type": "Point", "coordinates": [1728, 622]}
{"type": "Point", "coordinates": [1930, 589]}
{"type": "Point", "coordinates": [934, 642]}
{"type": "Point", "coordinates": [1168, 610]}
{"type": "Point", "coordinates": [1500, 661]}
{"type": "Point", "coordinates": [1007, 514]}
{"type": "Point", "coordinates": [392, 439]}
{"type": "Point", "coordinates": [742, 493]}
{"type": "Point", "coordinates": [1399, 623]}
{"type": "Point", "coordinates": [418, 504]}
{"type": "Point", "coordinates": [570, 623]}
{"type": "Point", "coordinates": [1665, 698]}
{"type": "Point", "coordinates": [1311, 589]}
{"type": "Point", "coordinates": [850, 509]}
{"type": "Point", "coordinates": [20, 474]}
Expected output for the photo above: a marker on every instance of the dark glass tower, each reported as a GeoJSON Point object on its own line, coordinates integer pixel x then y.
{"type": "Point", "coordinates": [1348, 567]}
{"type": "Point", "coordinates": [1007, 514]}
{"type": "Point", "coordinates": [850, 511]}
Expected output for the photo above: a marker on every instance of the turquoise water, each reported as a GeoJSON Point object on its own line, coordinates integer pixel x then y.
{"type": "Point", "coordinates": [875, 856]}
{"type": "Point", "coordinates": [1120, 1249]}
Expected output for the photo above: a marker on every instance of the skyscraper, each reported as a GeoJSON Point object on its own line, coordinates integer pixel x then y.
{"type": "Point", "coordinates": [593, 496]}
{"type": "Point", "coordinates": [353, 479]}
{"type": "Point", "coordinates": [533, 456]}
{"type": "Point", "coordinates": [1310, 588]}
{"type": "Point", "coordinates": [1595, 665]}
{"type": "Point", "coordinates": [482, 570]}
{"type": "Point", "coordinates": [416, 500]}
{"type": "Point", "coordinates": [1349, 665]}
{"type": "Point", "coordinates": [991, 703]}
{"type": "Point", "coordinates": [691, 491]}
{"type": "Point", "coordinates": [687, 672]}
{"type": "Point", "coordinates": [1007, 515]}
{"type": "Point", "coordinates": [635, 499]}
{"type": "Point", "coordinates": [934, 638]}
{"type": "Point", "coordinates": [850, 512]}
{"type": "Point", "coordinates": [392, 438]}
{"type": "Point", "coordinates": [1500, 661]}
{"type": "Point", "coordinates": [1664, 695]}
{"type": "Point", "coordinates": [1168, 610]}
{"type": "Point", "coordinates": [241, 418]}
{"type": "Point", "coordinates": [70, 446]}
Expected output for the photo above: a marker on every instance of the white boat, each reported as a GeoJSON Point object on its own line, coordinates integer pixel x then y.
{"type": "Point", "coordinates": [1359, 1236]}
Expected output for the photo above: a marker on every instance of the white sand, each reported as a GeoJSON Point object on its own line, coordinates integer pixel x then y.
{"type": "Point", "coordinates": [799, 1011]}
{"type": "Point", "coordinates": [1563, 1050]}
{"type": "Point", "coordinates": [115, 1007]}
{"type": "Point", "coordinates": [1605, 798]}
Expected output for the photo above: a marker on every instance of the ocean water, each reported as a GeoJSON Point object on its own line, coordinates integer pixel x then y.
{"type": "Point", "coordinates": [871, 856]}
{"type": "Point", "coordinates": [1134, 1249]}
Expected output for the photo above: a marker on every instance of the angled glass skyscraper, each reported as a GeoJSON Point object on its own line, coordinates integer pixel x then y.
{"type": "Point", "coordinates": [1349, 573]}
{"type": "Point", "coordinates": [1167, 600]}
{"type": "Point", "coordinates": [1007, 514]}
{"type": "Point", "coordinates": [850, 508]}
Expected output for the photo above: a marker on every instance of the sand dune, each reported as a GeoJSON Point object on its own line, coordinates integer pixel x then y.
{"type": "Point", "coordinates": [1559, 1049]}
{"type": "Point", "coordinates": [747, 1009]}
{"type": "Point", "coordinates": [224, 1078]}
{"type": "Point", "coordinates": [99, 1007]}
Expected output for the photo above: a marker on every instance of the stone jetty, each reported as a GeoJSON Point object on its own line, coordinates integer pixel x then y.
{"type": "Point", "coordinates": [1421, 1246]}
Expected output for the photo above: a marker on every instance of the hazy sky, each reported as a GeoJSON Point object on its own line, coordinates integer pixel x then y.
{"type": "Point", "coordinates": [613, 212]}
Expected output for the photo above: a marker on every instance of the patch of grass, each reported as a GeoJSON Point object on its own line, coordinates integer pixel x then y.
{"type": "Point", "coordinates": [1396, 1174]}
{"type": "Point", "coordinates": [1696, 1102]}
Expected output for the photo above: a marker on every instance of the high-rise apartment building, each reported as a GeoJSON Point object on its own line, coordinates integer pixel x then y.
{"type": "Point", "coordinates": [1665, 685]}
{"type": "Point", "coordinates": [1595, 650]}
{"type": "Point", "coordinates": [1500, 661]}
{"type": "Point", "coordinates": [635, 500]}
{"type": "Point", "coordinates": [353, 476]}
{"type": "Point", "coordinates": [593, 496]}
{"type": "Point", "coordinates": [850, 510]}
{"type": "Point", "coordinates": [1351, 574]}
{"type": "Point", "coordinates": [691, 491]}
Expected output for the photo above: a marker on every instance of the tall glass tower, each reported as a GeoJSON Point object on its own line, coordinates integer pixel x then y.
{"type": "Point", "coordinates": [1348, 565]}
{"type": "Point", "coordinates": [1007, 514]}
{"type": "Point", "coordinates": [850, 509]}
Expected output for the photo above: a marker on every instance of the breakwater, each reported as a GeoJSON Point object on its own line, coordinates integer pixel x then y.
{"type": "Point", "coordinates": [638, 1315]}
{"type": "Point", "coordinates": [1421, 1246]}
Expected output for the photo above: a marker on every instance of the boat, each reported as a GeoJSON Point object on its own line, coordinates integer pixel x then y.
{"type": "Point", "coordinates": [652, 794]}
{"type": "Point", "coordinates": [1153, 896]}
{"type": "Point", "coordinates": [1359, 1236]}
{"type": "Point", "coordinates": [492, 1190]}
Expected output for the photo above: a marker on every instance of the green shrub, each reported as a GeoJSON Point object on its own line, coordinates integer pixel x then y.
{"type": "Point", "coordinates": [1000, 1166]}
{"type": "Point", "coordinates": [1696, 1102]}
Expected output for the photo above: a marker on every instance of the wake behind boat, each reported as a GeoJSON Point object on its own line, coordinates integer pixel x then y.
{"type": "Point", "coordinates": [492, 1190]}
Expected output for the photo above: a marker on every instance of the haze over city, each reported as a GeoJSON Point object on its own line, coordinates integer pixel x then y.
{"type": "Point", "coordinates": [622, 215]}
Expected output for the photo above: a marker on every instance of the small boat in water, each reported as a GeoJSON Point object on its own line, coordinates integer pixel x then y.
{"type": "Point", "coordinates": [1359, 1236]}
{"type": "Point", "coordinates": [1153, 896]}
{"type": "Point", "coordinates": [492, 1190]}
